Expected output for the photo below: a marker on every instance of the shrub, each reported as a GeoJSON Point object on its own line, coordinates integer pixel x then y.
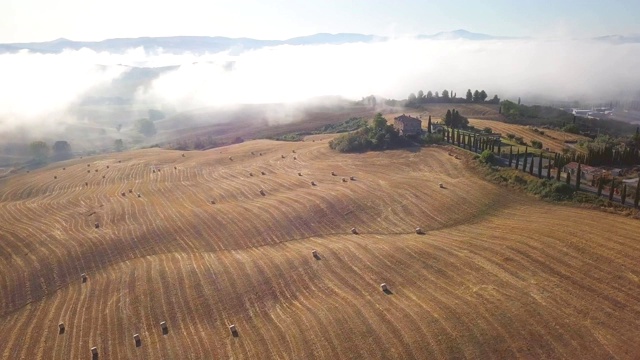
{"type": "Point", "coordinates": [520, 140]}
{"type": "Point", "coordinates": [487, 130]}
{"type": "Point", "coordinates": [571, 128]}
{"type": "Point", "coordinates": [487, 157]}
{"type": "Point", "coordinates": [549, 189]}
{"type": "Point", "coordinates": [536, 144]}
{"type": "Point", "coordinates": [511, 136]}
{"type": "Point", "coordinates": [429, 139]}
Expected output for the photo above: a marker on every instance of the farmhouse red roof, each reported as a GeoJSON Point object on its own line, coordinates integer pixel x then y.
{"type": "Point", "coordinates": [585, 168]}
{"type": "Point", "coordinates": [405, 118]}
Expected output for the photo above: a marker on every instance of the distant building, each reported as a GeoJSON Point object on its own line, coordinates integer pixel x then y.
{"type": "Point", "coordinates": [586, 172]}
{"type": "Point", "coordinates": [407, 125]}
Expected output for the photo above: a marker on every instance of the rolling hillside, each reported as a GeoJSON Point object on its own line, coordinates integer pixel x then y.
{"type": "Point", "coordinates": [553, 139]}
{"type": "Point", "coordinates": [497, 274]}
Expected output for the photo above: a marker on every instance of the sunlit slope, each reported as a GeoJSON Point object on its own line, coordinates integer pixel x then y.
{"type": "Point", "coordinates": [552, 139]}
{"type": "Point", "coordinates": [496, 275]}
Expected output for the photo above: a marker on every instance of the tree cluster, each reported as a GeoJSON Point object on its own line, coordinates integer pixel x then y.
{"type": "Point", "coordinates": [377, 136]}
{"type": "Point", "coordinates": [42, 153]}
{"type": "Point", "coordinates": [453, 119]}
{"type": "Point", "coordinates": [449, 97]}
{"type": "Point", "coordinates": [145, 127]}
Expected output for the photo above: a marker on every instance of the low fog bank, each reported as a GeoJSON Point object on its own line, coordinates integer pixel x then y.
{"type": "Point", "coordinates": [40, 93]}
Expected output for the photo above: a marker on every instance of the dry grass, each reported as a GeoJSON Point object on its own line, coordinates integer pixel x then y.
{"type": "Point", "coordinates": [497, 275]}
{"type": "Point", "coordinates": [552, 139]}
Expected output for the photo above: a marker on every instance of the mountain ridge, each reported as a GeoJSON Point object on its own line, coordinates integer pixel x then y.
{"type": "Point", "coordinates": [213, 44]}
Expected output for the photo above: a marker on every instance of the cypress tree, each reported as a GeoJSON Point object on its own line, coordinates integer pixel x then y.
{"type": "Point", "coordinates": [549, 168]}
{"type": "Point", "coordinates": [510, 155]}
{"type": "Point", "coordinates": [499, 147]}
{"type": "Point", "coordinates": [531, 165]}
{"type": "Point", "coordinates": [524, 161]}
{"type": "Point", "coordinates": [623, 195]}
{"type": "Point", "coordinates": [429, 125]}
{"type": "Point", "coordinates": [579, 173]}
{"type": "Point", "coordinates": [611, 190]}
{"type": "Point", "coordinates": [517, 158]}
{"type": "Point", "coordinates": [448, 136]}
{"type": "Point", "coordinates": [600, 185]}
{"type": "Point", "coordinates": [540, 166]}
{"type": "Point", "coordinates": [636, 200]}
{"type": "Point", "coordinates": [568, 179]}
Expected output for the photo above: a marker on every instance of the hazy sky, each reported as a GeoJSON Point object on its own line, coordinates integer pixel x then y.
{"type": "Point", "coordinates": [44, 20]}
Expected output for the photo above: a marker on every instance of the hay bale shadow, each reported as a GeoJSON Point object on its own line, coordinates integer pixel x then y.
{"type": "Point", "coordinates": [388, 292]}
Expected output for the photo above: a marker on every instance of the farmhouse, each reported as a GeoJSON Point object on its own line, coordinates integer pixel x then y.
{"type": "Point", "coordinates": [407, 125]}
{"type": "Point", "coordinates": [586, 172]}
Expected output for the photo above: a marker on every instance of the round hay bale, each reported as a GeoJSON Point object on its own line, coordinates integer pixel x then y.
{"type": "Point", "coordinates": [97, 225]}
{"type": "Point", "coordinates": [119, 161]}
{"type": "Point", "coordinates": [353, 178]}
{"type": "Point", "coordinates": [55, 177]}
{"type": "Point", "coordinates": [104, 176]}
{"type": "Point", "coordinates": [250, 174]}
{"type": "Point", "coordinates": [419, 231]}
{"type": "Point", "coordinates": [139, 195]}
{"type": "Point", "coordinates": [96, 170]}
{"type": "Point", "coordinates": [441, 185]}
{"type": "Point", "coordinates": [64, 168]}
{"type": "Point", "coordinates": [293, 151]}
{"type": "Point", "coordinates": [282, 156]}
{"type": "Point", "coordinates": [263, 173]}
{"type": "Point", "coordinates": [299, 174]}
{"type": "Point", "coordinates": [344, 179]}
{"type": "Point", "coordinates": [295, 158]}
{"type": "Point", "coordinates": [86, 184]}
{"type": "Point", "coordinates": [154, 171]}
{"type": "Point", "coordinates": [88, 165]}
{"type": "Point", "coordinates": [313, 183]}
{"type": "Point", "coordinates": [260, 154]}
{"type": "Point", "coordinates": [88, 171]}
{"type": "Point", "coordinates": [262, 192]}
{"type": "Point", "coordinates": [213, 202]}
{"type": "Point", "coordinates": [354, 231]}
{"type": "Point", "coordinates": [252, 153]}
{"type": "Point", "coordinates": [130, 191]}
{"type": "Point", "coordinates": [333, 173]}
{"type": "Point", "coordinates": [107, 166]}
{"type": "Point", "coordinates": [175, 168]}
{"type": "Point", "coordinates": [183, 155]}
{"type": "Point", "coordinates": [123, 193]}
{"type": "Point", "coordinates": [230, 158]}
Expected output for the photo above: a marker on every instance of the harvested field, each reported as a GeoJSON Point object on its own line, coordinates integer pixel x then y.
{"type": "Point", "coordinates": [552, 139]}
{"type": "Point", "coordinates": [496, 274]}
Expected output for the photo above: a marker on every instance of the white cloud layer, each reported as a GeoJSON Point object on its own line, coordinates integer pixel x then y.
{"type": "Point", "coordinates": [35, 86]}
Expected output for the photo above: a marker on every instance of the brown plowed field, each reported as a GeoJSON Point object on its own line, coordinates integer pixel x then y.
{"type": "Point", "coordinates": [497, 275]}
{"type": "Point", "coordinates": [552, 139]}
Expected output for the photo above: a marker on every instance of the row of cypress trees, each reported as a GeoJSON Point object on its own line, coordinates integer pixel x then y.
{"type": "Point", "coordinates": [479, 143]}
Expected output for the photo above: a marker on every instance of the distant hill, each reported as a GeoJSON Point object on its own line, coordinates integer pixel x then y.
{"type": "Point", "coordinates": [213, 44]}
{"type": "Point", "coordinates": [619, 39]}
{"type": "Point", "coordinates": [202, 44]}
{"type": "Point", "coordinates": [181, 44]}
{"type": "Point", "coordinates": [461, 34]}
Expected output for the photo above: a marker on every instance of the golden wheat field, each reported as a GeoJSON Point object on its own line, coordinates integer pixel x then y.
{"type": "Point", "coordinates": [497, 275]}
{"type": "Point", "coordinates": [552, 139]}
